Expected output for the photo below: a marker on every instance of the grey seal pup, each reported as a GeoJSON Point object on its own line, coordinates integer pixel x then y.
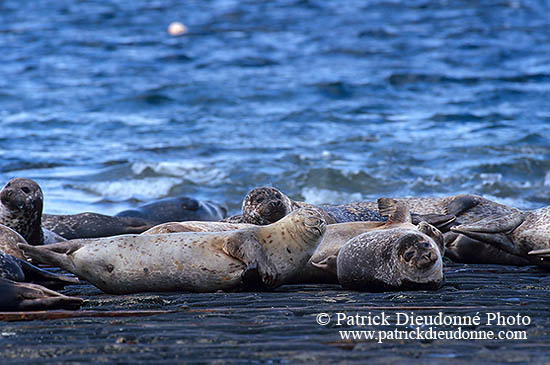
{"type": "Point", "coordinates": [21, 204]}
{"type": "Point", "coordinates": [190, 261]}
{"type": "Point", "coordinates": [31, 297]}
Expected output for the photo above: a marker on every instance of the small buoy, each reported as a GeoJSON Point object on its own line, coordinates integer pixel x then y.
{"type": "Point", "coordinates": [177, 28]}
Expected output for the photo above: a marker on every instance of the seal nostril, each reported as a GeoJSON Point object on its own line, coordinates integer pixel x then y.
{"type": "Point", "coordinates": [26, 190]}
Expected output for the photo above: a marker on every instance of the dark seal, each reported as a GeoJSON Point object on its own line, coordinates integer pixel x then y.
{"type": "Point", "coordinates": [28, 297]}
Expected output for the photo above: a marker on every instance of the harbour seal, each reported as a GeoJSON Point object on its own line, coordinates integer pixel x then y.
{"type": "Point", "coordinates": [176, 209]}
{"type": "Point", "coordinates": [28, 297]}
{"type": "Point", "coordinates": [195, 226]}
{"type": "Point", "coordinates": [190, 261]}
{"type": "Point", "coordinates": [93, 225]}
{"type": "Point", "coordinates": [390, 259]}
{"type": "Point", "coordinates": [338, 235]}
{"type": "Point", "coordinates": [525, 234]}
{"type": "Point", "coordinates": [21, 203]}
{"type": "Point", "coordinates": [133, 221]}
{"type": "Point", "coordinates": [265, 205]}
{"type": "Point", "coordinates": [15, 269]}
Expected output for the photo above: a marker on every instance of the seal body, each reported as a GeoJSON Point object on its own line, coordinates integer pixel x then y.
{"type": "Point", "coordinates": [190, 261]}
{"type": "Point", "coordinates": [93, 225]}
{"type": "Point", "coordinates": [196, 226]}
{"type": "Point", "coordinates": [391, 259]}
{"type": "Point", "coordinates": [178, 209]}
{"type": "Point", "coordinates": [27, 297]}
{"type": "Point", "coordinates": [265, 205]}
{"type": "Point", "coordinates": [523, 234]}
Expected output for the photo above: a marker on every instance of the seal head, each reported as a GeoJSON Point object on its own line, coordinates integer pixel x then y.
{"type": "Point", "coordinates": [266, 205]}
{"type": "Point", "coordinates": [21, 209]}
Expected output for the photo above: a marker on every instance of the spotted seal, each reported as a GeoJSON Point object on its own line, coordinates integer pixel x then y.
{"type": "Point", "coordinates": [21, 203]}
{"type": "Point", "coordinates": [28, 297]}
{"type": "Point", "coordinates": [15, 269]}
{"type": "Point", "coordinates": [400, 258]}
{"type": "Point", "coordinates": [525, 234]}
{"type": "Point", "coordinates": [190, 261]}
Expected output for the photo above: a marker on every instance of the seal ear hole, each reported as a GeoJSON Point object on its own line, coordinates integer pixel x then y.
{"type": "Point", "coordinates": [26, 190]}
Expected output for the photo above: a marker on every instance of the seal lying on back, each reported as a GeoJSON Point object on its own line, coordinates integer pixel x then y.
{"type": "Point", "coordinates": [525, 234]}
{"type": "Point", "coordinates": [190, 261]}
{"type": "Point", "coordinates": [15, 269]}
{"type": "Point", "coordinates": [21, 203]}
{"type": "Point", "coordinates": [28, 297]}
{"type": "Point", "coordinates": [134, 221]}
{"type": "Point", "coordinates": [390, 259]}
{"type": "Point", "coordinates": [178, 209]}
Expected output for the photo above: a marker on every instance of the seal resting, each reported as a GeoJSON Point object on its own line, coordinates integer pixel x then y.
{"type": "Point", "coordinates": [133, 221]}
{"type": "Point", "coordinates": [196, 226]}
{"type": "Point", "coordinates": [29, 297]}
{"type": "Point", "coordinates": [390, 259]}
{"type": "Point", "coordinates": [21, 203]}
{"type": "Point", "coordinates": [525, 234]}
{"type": "Point", "coordinates": [337, 235]}
{"type": "Point", "coordinates": [177, 209]}
{"type": "Point", "coordinates": [15, 269]}
{"type": "Point", "coordinates": [191, 261]}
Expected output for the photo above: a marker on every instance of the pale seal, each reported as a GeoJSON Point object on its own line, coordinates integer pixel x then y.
{"type": "Point", "coordinates": [15, 269]}
{"type": "Point", "coordinates": [190, 261]}
{"type": "Point", "coordinates": [29, 297]}
{"type": "Point", "coordinates": [196, 226]}
{"type": "Point", "coordinates": [21, 203]}
{"type": "Point", "coordinates": [523, 234]}
{"type": "Point", "coordinates": [390, 259]}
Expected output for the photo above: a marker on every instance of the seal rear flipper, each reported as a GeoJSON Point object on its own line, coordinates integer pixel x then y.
{"type": "Point", "coordinates": [36, 297]}
{"type": "Point", "coordinates": [56, 255]}
{"type": "Point", "coordinates": [396, 211]}
{"type": "Point", "coordinates": [327, 264]}
{"type": "Point", "coordinates": [248, 250]}
{"type": "Point", "coordinates": [440, 221]}
{"type": "Point", "coordinates": [45, 278]}
{"type": "Point", "coordinates": [462, 203]}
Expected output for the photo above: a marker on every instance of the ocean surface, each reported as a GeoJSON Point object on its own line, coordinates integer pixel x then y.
{"type": "Point", "coordinates": [330, 101]}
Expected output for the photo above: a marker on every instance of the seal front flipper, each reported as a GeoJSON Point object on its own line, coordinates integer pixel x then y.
{"type": "Point", "coordinates": [440, 221]}
{"type": "Point", "coordinates": [58, 254]}
{"type": "Point", "coordinates": [327, 264]}
{"type": "Point", "coordinates": [434, 234]}
{"type": "Point", "coordinates": [26, 297]}
{"type": "Point", "coordinates": [247, 249]}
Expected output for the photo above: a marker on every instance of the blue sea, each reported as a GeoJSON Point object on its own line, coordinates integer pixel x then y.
{"type": "Point", "coordinates": [330, 101]}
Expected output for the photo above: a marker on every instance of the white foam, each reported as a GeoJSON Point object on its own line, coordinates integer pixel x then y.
{"type": "Point", "coordinates": [197, 173]}
{"type": "Point", "coordinates": [324, 196]}
{"type": "Point", "coordinates": [150, 188]}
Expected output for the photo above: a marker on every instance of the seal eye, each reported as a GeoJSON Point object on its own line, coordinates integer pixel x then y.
{"type": "Point", "coordinates": [26, 190]}
{"type": "Point", "coordinates": [259, 200]}
{"type": "Point", "coordinates": [408, 255]}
